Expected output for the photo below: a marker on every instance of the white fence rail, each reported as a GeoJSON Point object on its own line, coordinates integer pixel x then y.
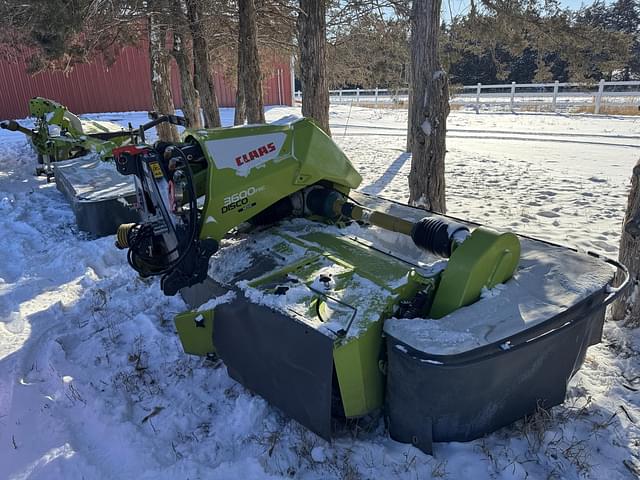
{"type": "Point", "coordinates": [556, 96]}
{"type": "Point", "coordinates": [366, 96]}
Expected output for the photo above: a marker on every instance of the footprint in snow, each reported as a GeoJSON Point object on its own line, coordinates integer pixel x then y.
{"type": "Point", "coordinates": [548, 214]}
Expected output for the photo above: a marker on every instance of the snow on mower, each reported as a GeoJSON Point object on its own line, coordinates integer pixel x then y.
{"type": "Point", "coordinates": [332, 303]}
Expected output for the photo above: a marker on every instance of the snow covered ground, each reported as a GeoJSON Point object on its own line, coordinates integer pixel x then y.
{"type": "Point", "coordinates": [93, 382]}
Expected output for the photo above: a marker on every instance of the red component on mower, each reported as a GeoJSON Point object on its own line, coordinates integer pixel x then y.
{"type": "Point", "coordinates": [130, 149]}
{"type": "Point", "coordinates": [126, 157]}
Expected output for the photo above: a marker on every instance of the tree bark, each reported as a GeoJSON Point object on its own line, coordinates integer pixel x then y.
{"type": "Point", "coordinates": [409, 103]}
{"type": "Point", "coordinates": [160, 78]}
{"type": "Point", "coordinates": [190, 98]}
{"type": "Point", "coordinates": [240, 114]}
{"type": "Point", "coordinates": [428, 109]}
{"type": "Point", "coordinates": [627, 307]}
{"type": "Point", "coordinates": [203, 73]}
{"type": "Point", "coordinates": [251, 76]}
{"type": "Point", "coordinates": [312, 40]}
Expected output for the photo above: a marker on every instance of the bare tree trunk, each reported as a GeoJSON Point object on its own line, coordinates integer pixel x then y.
{"type": "Point", "coordinates": [627, 307]}
{"type": "Point", "coordinates": [190, 98]}
{"type": "Point", "coordinates": [251, 76]}
{"type": "Point", "coordinates": [203, 72]}
{"type": "Point", "coordinates": [428, 109]}
{"type": "Point", "coordinates": [240, 114]}
{"type": "Point", "coordinates": [409, 103]}
{"type": "Point", "coordinates": [312, 40]}
{"type": "Point", "coordinates": [160, 78]}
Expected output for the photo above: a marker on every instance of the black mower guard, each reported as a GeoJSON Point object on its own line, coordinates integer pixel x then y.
{"type": "Point", "coordinates": [443, 398]}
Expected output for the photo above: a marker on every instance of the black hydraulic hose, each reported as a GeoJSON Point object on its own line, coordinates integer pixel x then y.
{"type": "Point", "coordinates": [193, 210]}
{"type": "Point", "coordinates": [145, 232]}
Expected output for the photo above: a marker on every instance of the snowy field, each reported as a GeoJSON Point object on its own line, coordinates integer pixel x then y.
{"type": "Point", "coordinates": [93, 382]}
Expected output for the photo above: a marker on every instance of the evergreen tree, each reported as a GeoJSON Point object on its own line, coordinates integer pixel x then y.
{"type": "Point", "coordinates": [621, 17]}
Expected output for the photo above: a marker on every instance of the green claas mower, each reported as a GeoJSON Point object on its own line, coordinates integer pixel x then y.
{"type": "Point", "coordinates": [334, 304]}
{"type": "Point", "coordinates": [78, 153]}
{"type": "Point", "coordinates": [61, 135]}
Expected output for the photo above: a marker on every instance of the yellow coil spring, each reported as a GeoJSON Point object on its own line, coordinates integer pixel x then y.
{"type": "Point", "coordinates": [122, 235]}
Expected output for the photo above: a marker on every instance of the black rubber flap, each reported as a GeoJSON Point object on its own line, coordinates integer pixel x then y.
{"type": "Point", "coordinates": [280, 359]}
{"type": "Point", "coordinates": [461, 401]}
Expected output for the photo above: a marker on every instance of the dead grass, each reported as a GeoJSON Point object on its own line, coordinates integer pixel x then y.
{"type": "Point", "coordinates": [270, 440]}
{"type": "Point", "coordinates": [605, 109]}
{"type": "Point", "coordinates": [535, 427]}
{"type": "Point", "coordinates": [610, 109]}
{"type": "Point", "coordinates": [137, 379]}
{"type": "Point", "coordinates": [439, 469]}
{"type": "Point", "coordinates": [401, 105]}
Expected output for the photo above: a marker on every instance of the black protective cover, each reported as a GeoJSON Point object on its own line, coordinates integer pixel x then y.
{"type": "Point", "coordinates": [100, 197]}
{"type": "Point", "coordinates": [461, 397]}
{"type": "Point", "coordinates": [279, 358]}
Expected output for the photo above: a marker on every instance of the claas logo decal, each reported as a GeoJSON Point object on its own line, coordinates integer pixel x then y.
{"type": "Point", "coordinates": [254, 154]}
{"type": "Point", "coordinates": [241, 156]}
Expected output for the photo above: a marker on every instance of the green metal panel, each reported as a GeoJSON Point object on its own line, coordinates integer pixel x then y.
{"type": "Point", "coordinates": [369, 263]}
{"type": "Point", "coordinates": [360, 379]}
{"type": "Point", "coordinates": [320, 157]}
{"type": "Point", "coordinates": [485, 259]}
{"type": "Point", "coordinates": [40, 107]}
{"type": "Point", "coordinates": [252, 167]}
{"type": "Point", "coordinates": [357, 359]}
{"type": "Point", "coordinates": [195, 330]}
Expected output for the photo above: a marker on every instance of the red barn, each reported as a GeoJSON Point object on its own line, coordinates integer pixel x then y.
{"type": "Point", "coordinates": [123, 86]}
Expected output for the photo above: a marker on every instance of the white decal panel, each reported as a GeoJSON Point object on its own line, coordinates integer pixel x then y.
{"type": "Point", "coordinates": [244, 153]}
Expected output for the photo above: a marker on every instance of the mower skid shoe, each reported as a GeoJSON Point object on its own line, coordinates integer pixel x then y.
{"type": "Point", "coordinates": [192, 270]}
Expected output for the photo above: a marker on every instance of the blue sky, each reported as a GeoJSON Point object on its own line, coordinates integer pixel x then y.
{"type": "Point", "coordinates": [574, 4]}
{"type": "Point", "coordinates": [461, 6]}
